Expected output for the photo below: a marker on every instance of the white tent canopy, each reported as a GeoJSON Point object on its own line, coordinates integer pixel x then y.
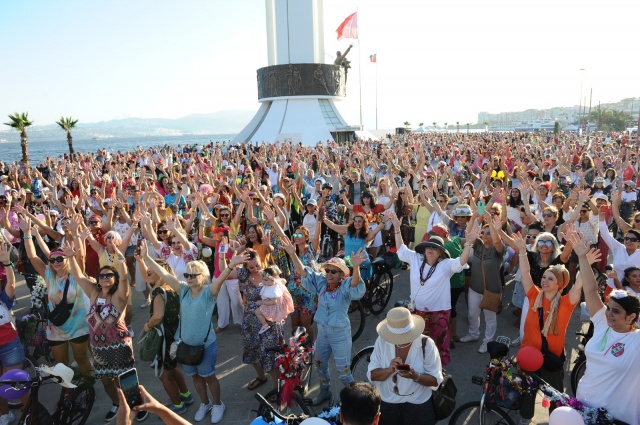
{"type": "Point", "coordinates": [366, 135]}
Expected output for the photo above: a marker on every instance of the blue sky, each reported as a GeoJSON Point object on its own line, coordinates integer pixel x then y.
{"type": "Point", "coordinates": [437, 60]}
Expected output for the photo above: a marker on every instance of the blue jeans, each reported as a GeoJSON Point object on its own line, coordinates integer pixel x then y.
{"type": "Point", "coordinates": [336, 341]}
{"type": "Point", "coordinates": [208, 365]}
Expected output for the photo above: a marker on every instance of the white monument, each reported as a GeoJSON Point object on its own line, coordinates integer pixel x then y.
{"type": "Point", "coordinates": [297, 90]}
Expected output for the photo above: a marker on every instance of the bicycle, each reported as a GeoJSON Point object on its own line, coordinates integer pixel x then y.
{"type": "Point", "coordinates": [580, 363]}
{"type": "Point", "coordinates": [75, 402]}
{"type": "Point", "coordinates": [360, 364]}
{"type": "Point", "coordinates": [379, 286]}
{"type": "Point", "coordinates": [270, 416]}
{"type": "Point", "coordinates": [357, 317]}
{"type": "Point", "coordinates": [294, 364]}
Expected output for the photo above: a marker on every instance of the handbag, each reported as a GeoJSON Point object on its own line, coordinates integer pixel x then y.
{"type": "Point", "coordinates": [59, 315]}
{"type": "Point", "coordinates": [153, 341]}
{"type": "Point", "coordinates": [491, 301]}
{"type": "Point", "coordinates": [551, 362]}
{"type": "Point", "coordinates": [443, 398]}
{"type": "Point", "coordinates": [190, 355]}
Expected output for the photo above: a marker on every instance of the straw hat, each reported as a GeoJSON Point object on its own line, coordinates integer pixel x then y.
{"type": "Point", "coordinates": [336, 262]}
{"type": "Point", "coordinates": [400, 326]}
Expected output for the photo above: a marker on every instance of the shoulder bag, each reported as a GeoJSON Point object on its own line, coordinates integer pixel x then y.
{"type": "Point", "coordinates": [552, 362]}
{"type": "Point", "coordinates": [491, 301]}
{"type": "Point", "coordinates": [59, 315]}
{"type": "Point", "coordinates": [190, 355]}
{"type": "Point", "coordinates": [444, 398]}
{"type": "Point", "coordinates": [153, 341]}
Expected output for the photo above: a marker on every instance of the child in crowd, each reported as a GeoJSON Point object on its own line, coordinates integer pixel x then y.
{"type": "Point", "coordinates": [276, 303]}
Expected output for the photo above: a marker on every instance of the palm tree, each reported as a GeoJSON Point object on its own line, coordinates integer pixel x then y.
{"type": "Point", "coordinates": [599, 115]}
{"type": "Point", "coordinates": [434, 124]}
{"type": "Point", "coordinates": [468, 124]}
{"type": "Point", "coordinates": [446, 126]}
{"type": "Point", "coordinates": [20, 122]}
{"type": "Point", "coordinates": [420, 124]}
{"type": "Point", "coordinates": [458, 126]}
{"type": "Point", "coordinates": [407, 124]}
{"type": "Point", "coordinates": [68, 124]}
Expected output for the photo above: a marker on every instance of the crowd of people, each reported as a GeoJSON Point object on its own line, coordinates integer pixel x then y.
{"type": "Point", "coordinates": [275, 232]}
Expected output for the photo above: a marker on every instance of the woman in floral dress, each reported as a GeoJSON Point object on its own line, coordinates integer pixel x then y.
{"type": "Point", "coordinates": [254, 344]}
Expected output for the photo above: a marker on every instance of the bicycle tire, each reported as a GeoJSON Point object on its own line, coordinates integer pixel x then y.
{"type": "Point", "coordinates": [360, 364]}
{"type": "Point", "coordinates": [357, 317]}
{"type": "Point", "coordinates": [578, 371]}
{"type": "Point", "coordinates": [470, 414]}
{"type": "Point", "coordinates": [298, 408]}
{"type": "Point", "coordinates": [78, 408]}
{"type": "Point", "coordinates": [380, 291]}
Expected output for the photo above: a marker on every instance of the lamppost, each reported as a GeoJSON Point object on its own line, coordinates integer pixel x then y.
{"type": "Point", "coordinates": [580, 103]}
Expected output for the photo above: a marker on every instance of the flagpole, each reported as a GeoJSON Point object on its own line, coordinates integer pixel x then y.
{"type": "Point", "coordinates": [360, 75]}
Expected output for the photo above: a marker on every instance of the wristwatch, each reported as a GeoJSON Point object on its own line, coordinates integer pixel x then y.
{"type": "Point", "coordinates": [418, 378]}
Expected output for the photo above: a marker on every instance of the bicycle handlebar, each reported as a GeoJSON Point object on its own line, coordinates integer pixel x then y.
{"type": "Point", "coordinates": [272, 413]}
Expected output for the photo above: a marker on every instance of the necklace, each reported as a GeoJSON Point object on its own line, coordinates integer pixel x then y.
{"type": "Point", "coordinates": [400, 346]}
{"type": "Point", "coordinates": [429, 273]}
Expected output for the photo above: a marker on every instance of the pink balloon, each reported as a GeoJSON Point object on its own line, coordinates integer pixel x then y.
{"type": "Point", "coordinates": [40, 216]}
{"type": "Point", "coordinates": [565, 415]}
{"type": "Point", "coordinates": [530, 359]}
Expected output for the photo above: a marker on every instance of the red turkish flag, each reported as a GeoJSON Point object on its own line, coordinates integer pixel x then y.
{"type": "Point", "coordinates": [349, 28]}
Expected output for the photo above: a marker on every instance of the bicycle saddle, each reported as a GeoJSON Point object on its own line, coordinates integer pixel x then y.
{"type": "Point", "coordinates": [497, 349]}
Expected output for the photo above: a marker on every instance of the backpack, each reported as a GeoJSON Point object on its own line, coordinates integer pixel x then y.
{"type": "Point", "coordinates": [153, 344]}
{"type": "Point", "coordinates": [444, 398]}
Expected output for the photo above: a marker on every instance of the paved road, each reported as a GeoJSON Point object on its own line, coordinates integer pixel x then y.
{"type": "Point", "coordinates": [234, 375]}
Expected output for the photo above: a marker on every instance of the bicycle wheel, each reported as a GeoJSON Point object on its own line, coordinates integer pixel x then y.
{"type": "Point", "coordinates": [380, 291]}
{"type": "Point", "coordinates": [357, 318]}
{"type": "Point", "coordinates": [576, 374]}
{"type": "Point", "coordinates": [298, 405]}
{"type": "Point", "coordinates": [360, 364]}
{"type": "Point", "coordinates": [77, 410]}
{"type": "Point", "coordinates": [471, 414]}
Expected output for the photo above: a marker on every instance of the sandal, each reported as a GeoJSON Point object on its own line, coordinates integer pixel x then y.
{"type": "Point", "coordinates": [256, 383]}
{"type": "Point", "coordinates": [219, 329]}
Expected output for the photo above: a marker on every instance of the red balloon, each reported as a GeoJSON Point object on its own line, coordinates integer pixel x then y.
{"type": "Point", "coordinates": [530, 359]}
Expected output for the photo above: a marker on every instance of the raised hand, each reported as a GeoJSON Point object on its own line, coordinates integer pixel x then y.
{"type": "Point", "coordinates": [239, 259]}
{"type": "Point", "coordinates": [473, 234]}
{"type": "Point", "coordinates": [594, 255]}
{"type": "Point", "coordinates": [289, 247]}
{"type": "Point", "coordinates": [519, 241]}
{"type": "Point", "coordinates": [5, 253]}
{"type": "Point", "coordinates": [358, 258]}
{"type": "Point", "coordinates": [580, 246]}
{"type": "Point", "coordinates": [25, 223]}
{"type": "Point", "coordinates": [69, 249]}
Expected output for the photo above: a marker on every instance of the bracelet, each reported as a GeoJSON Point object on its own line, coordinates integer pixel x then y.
{"type": "Point", "coordinates": [468, 244]}
{"type": "Point", "coordinates": [229, 267]}
{"type": "Point", "coordinates": [522, 255]}
{"type": "Point", "coordinates": [27, 237]}
{"type": "Point", "coordinates": [8, 265]}
{"type": "Point", "coordinates": [418, 378]}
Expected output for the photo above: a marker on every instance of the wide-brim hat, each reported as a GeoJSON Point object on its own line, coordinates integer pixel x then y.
{"type": "Point", "coordinates": [336, 262]}
{"type": "Point", "coordinates": [400, 326]}
{"type": "Point", "coordinates": [63, 372]}
{"type": "Point", "coordinates": [433, 242]}
{"type": "Point", "coordinates": [462, 210]}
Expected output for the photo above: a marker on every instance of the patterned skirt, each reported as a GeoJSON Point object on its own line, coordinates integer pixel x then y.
{"type": "Point", "coordinates": [437, 328]}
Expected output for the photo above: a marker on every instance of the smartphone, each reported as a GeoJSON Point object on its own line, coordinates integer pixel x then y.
{"type": "Point", "coordinates": [403, 367]}
{"type": "Point", "coordinates": [481, 205]}
{"type": "Point", "coordinates": [226, 234]}
{"type": "Point", "coordinates": [343, 191]}
{"type": "Point", "coordinates": [130, 387]}
{"type": "Point", "coordinates": [224, 249]}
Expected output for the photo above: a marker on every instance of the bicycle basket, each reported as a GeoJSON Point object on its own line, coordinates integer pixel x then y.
{"type": "Point", "coordinates": [391, 260]}
{"type": "Point", "coordinates": [504, 394]}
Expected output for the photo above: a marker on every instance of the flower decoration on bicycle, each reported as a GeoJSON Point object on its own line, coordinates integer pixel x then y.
{"type": "Point", "coordinates": [290, 366]}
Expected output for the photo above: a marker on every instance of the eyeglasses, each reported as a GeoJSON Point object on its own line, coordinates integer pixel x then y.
{"type": "Point", "coordinates": [630, 239]}
{"type": "Point", "coordinates": [545, 242]}
{"type": "Point", "coordinates": [332, 271]}
{"type": "Point", "coordinates": [395, 387]}
{"type": "Point", "coordinates": [298, 235]}
{"type": "Point", "coordinates": [487, 233]}
{"type": "Point", "coordinates": [56, 259]}
{"type": "Point", "coordinates": [548, 215]}
{"type": "Point", "coordinates": [531, 236]}
{"type": "Point", "coordinates": [163, 231]}
{"type": "Point", "coordinates": [106, 275]}
{"type": "Point", "coordinates": [191, 275]}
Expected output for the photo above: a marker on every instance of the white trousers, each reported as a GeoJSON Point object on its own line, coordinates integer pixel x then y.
{"type": "Point", "coordinates": [474, 318]}
{"type": "Point", "coordinates": [229, 301]}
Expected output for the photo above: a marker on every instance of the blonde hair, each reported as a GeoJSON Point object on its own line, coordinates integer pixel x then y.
{"type": "Point", "coordinates": [551, 323]}
{"type": "Point", "coordinates": [197, 266]}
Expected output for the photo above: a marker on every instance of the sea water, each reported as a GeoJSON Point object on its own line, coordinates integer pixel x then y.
{"type": "Point", "coordinates": [40, 148]}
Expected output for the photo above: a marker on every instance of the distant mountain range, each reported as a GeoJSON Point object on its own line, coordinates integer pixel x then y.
{"type": "Point", "coordinates": [222, 122]}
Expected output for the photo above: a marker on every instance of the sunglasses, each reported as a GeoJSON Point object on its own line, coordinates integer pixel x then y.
{"type": "Point", "coordinates": [94, 222]}
{"type": "Point", "coordinates": [442, 201]}
{"type": "Point", "coordinates": [531, 236]}
{"type": "Point", "coordinates": [548, 215]}
{"type": "Point", "coordinates": [583, 211]}
{"type": "Point", "coordinates": [56, 259]}
{"type": "Point", "coordinates": [225, 215]}
{"type": "Point", "coordinates": [487, 233]}
{"type": "Point", "coordinates": [191, 275]}
{"type": "Point", "coordinates": [162, 232]}
{"type": "Point", "coordinates": [298, 235]}
{"type": "Point", "coordinates": [630, 239]}
{"type": "Point", "coordinates": [545, 242]}
{"type": "Point", "coordinates": [106, 275]}
{"type": "Point", "coordinates": [176, 243]}
{"type": "Point", "coordinates": [395, 387]}
{"type": "Point", "coordinates": [637, 220]}
{"type": "Point", "coordinates": [332, 271]}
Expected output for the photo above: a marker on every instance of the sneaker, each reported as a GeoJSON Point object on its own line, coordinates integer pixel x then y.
{"type": "Point", "coordinates": [142, 415]}
{"type": "Point", "coordinates": [187, 399]}
{"type": "Point", "coordinates": [6, 419]}
{"type": "Point", "coordinates": [216, 413]}
{"type": "Point", "coordinates": [263, 329]}
{"type": "Point", "coordinates": [146, 303]}
{"type": "Point", "coordinates": [111, 415]}
{"type": "Point", "coordinates": [483, 348]}
{"type": "Point", "coordinates": [202, 411]}
{"type": "Point", "coordinates": [180, 409]}
{"type": "Point", "coordinates": [130, 329]}
{"type": "Point", "coordinates": [515, 342]}
{"type": "Point", "coordinates": [468, 338]}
